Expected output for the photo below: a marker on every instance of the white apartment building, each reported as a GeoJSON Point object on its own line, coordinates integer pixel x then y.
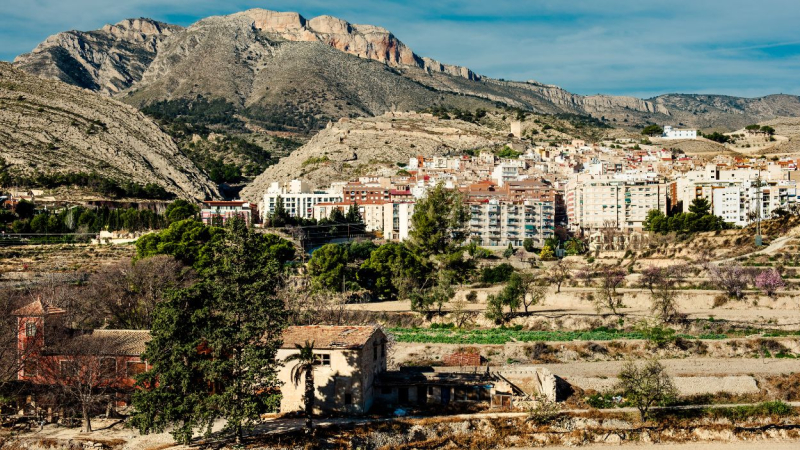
{"type": "Point", "coordinates": [397, 220]}
{"type": "Point", "coordinates": [671, 133]}
{"type": "Point", "coordinates": [734, 193]}
{"type": "Point", "coordinates": [622, 201]}
{"type": "Point", "coordinates": [371, 212]}
{"type": "Point", "coordinates": [298, 198]}
{"type": "Point", "coordinates": [497, 223]}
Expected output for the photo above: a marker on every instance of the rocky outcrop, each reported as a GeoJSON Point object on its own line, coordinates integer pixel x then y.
{"type": "Point", "coordinates": [365, 41]}
{"type": "Point", "coordinates": [50, 127]}
{"type": "Point", "coordinates": [107, 60]}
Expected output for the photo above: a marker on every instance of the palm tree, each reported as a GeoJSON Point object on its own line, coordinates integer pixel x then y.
{"type": "Point", "coordinates": [306, 360]}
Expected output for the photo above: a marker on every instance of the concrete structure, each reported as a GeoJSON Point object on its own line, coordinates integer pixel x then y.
{"type": "Point", "coordinates": [298, 198]}
{"type": "Point", "coordinates": [397, 220]}
{"type": "Point", "coordinates": [372, 212]}
{"type": "Point", "coordinates": [350, 359]}
{"type": "Point", "coordinates": [734, 192]}
{"type": "Point", "coordinates": [509, 214]}
{"type": "Point", "coordinates": [671, 133]}
{"type": "Point", "coordinates": [618, 201]}
{"type": "Point", "coordinates": [219, 212]}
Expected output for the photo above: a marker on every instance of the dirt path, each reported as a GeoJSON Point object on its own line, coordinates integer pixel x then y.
{"type": "Point", "coordinates": [683, 367]}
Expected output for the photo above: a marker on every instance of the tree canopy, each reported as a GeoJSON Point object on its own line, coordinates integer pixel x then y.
{"type": "Point", "coordinates": [214, 344]}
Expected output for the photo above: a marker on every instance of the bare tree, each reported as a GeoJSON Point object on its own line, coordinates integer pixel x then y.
{"type": "Point", "coordinates": [560, 272]}
{"type": "Point", "coordinates": [87, 369]}
{"type": "Point", "coordinates": [10, 360]}
{"type": "Point", "coordinates": [128, 292]}
{"type": "Point", "coordinates": [533, 290]}
{"type": "Point", "coordinates": [645, 386]}
{"type": "Point", "coordinates": [665, 293]}
{"type": "Point", "coordinates": [611, 278]}
{"type": "Point", "coordinates": [731, 278]}
{"type": "Point", "coordinates": [459, 311]}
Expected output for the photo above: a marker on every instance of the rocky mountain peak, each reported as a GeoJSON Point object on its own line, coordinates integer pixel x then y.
{"type": "Point", "coordinates": [365, 41]}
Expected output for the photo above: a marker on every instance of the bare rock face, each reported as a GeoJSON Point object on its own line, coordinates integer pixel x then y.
{"type": "Point", "coordinates": [50, 127]}
{"type": "Point", "coordinates": [365, 41]}
{"type": "Point", "coordinates": [107, 60]}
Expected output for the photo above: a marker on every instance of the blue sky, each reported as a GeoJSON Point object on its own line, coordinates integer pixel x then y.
{"type": "Point", "coordinates": [622, 47]}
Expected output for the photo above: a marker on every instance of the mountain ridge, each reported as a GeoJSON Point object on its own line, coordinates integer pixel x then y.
{"type": "Point", "coordinates": [146, 61]}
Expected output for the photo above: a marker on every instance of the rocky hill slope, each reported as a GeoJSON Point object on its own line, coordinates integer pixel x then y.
{"type": "Point", "coordinates": [48, 127]}
{"type": "Point", "coordinates": [107, 60]}
{"type": "Point", "coordinates": [353, 147]}
{"type": "Point", "coordinates": [290, 73]}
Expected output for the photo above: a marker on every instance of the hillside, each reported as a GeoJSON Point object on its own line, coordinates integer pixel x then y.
{"type": "Point", "coordinates": [383, 145]}
{"type": "Point", "coordinates": [106, 60]}
{"type": "Point", "coordinates": [282, 71]}
{"type": "Point", "coordinates": [48, 128]}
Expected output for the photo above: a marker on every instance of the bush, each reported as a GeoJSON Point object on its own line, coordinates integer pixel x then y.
{"type": "Point", "coordinates": [497, 274]}
{"type": "Point", "coordinates": [543, 411]}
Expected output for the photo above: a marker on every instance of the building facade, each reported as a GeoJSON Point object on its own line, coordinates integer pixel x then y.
{"type": "Point", "coordinates": [601, 201]}
{"type": "Point", "coordinates": [298, 198]}
{"type": "Point", "coordinates": [219, 212]}
{"type": "Point", "coordinates": [350, 360]}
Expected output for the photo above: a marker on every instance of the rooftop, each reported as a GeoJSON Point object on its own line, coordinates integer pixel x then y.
{"type": "Point", "coordinates": [328, 336]}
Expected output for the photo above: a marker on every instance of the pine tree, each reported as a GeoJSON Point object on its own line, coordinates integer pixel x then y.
{"type": "Point", "coordinates": [213, 347]}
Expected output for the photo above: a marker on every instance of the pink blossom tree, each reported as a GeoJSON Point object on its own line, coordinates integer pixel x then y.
{"type": "Point", "coordinates": [769, 281]}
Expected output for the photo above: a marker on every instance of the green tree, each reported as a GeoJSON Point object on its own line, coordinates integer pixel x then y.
{"type": "Point", "coordinates": [700, 206]}
{"type": "Point", "coordinates": [25, 209]}
{"type": "Point", "coordinates": [439, 222]}
{"type": "Point", "coordinates": [280, 216]}
{"type": "Point", "coordinates": [186, 240]}
{"type": "Point", "coordinates": [768, 130]}
{"type": "Point", "coordinates": [392, 271]}
{"type": "Point", "coordinates": [653, 130]}
{"type": "Point", "coordinates": [181, 210]}
{"type": "Point", "coordinates": [509, 252]}
{"type": "Point", "coordinates": [213, 349]}
{"type": "Point", "coordinates": [328, 267]}
{"type": "Point", "coordinates": [528, 245]}
{"type": "Point", "coordinates": [304, 368]}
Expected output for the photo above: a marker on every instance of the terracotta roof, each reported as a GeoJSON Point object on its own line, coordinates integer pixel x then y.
{"type": "Point", "coordinates": [328, 336]}
{"type": "Point", "coordinates": [104, 342]}
{"type": "Point", "coordinates": [37, 308]}
{"type": "Point", "coordinates": [224, 203]}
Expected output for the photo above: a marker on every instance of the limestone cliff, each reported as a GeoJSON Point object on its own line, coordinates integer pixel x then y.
{"type": "Point", "coordinates": [107, 60]}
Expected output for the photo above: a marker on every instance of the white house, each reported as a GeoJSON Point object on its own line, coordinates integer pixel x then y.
{"type": "Point", "coordinates": [671, 133]}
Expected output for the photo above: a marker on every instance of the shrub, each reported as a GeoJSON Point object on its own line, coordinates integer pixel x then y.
{"type": "Point", "coordinates": [543, 411]}
{"type": "Point", "coordinates": [497, 274]}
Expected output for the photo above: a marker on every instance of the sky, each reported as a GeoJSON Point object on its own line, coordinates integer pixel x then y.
{"type": "Point", "coordinates": [641, 48]}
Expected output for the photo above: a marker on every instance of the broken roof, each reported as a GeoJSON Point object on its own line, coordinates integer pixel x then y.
{"type": "Point", "coordinates": [37, 308]}
{"type": "Point", "coordinates": [328, 336]}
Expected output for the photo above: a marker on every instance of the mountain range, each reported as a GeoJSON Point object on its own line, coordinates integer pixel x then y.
{"type": "Point", "coordinates": [281, 71]}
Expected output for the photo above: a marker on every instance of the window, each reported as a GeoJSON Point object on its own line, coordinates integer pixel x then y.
{"type": "Point", "coordinates": [69, 369]}
{"type": "Point", "coordinates": [30, 368]}
{"type": "Point", "coordinates": [323, 359]}
{"type": "Point", "coordinates": [135, 368]}
{"type": "Point", "coordinates": [375, 352]}
{"type": "Point", "coordinates": [386, 391]}
{"type": "Point", "coordinates": [348, 399]}
{"type": "Point", "coordinates": [108, 367]}
{"type": "Point", "coordinates": [30, 329]}
{"type": "Point", "coordinates": [383, 349]}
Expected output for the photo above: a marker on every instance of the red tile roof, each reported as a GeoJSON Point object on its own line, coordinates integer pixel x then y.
{"type": "Point", "coordinates": [328, 336]}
